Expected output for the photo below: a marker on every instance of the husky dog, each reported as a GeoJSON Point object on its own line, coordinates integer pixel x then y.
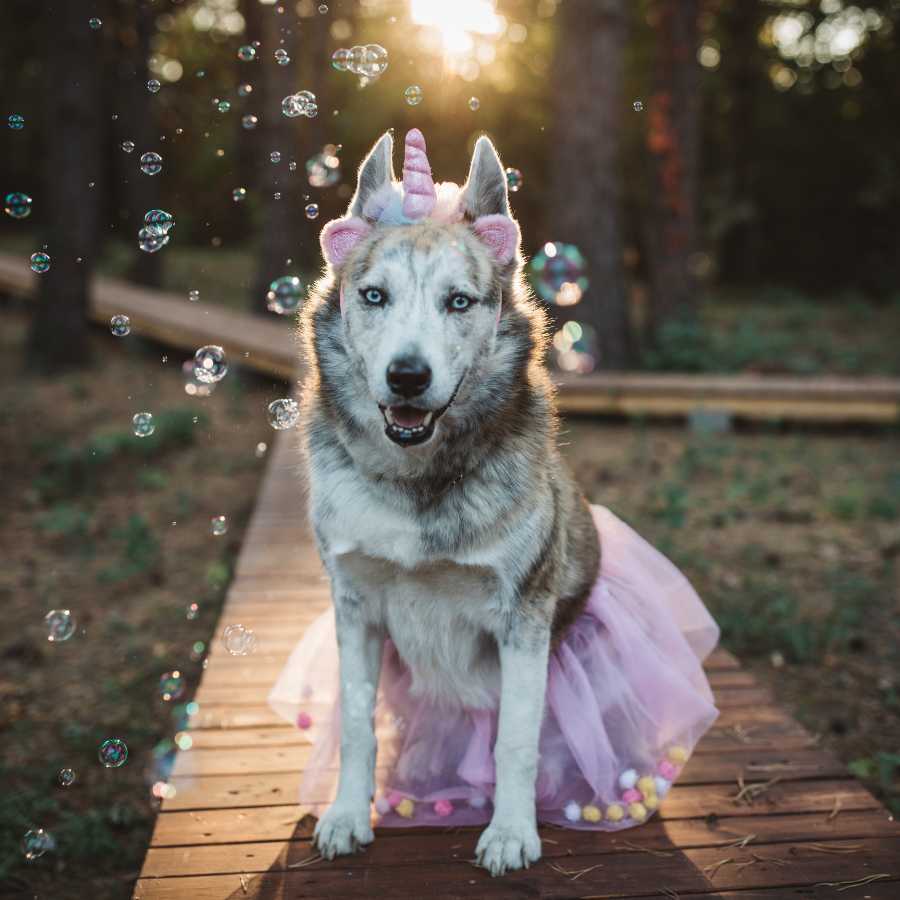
{"type": "Point", "coordinates": [441, 508]}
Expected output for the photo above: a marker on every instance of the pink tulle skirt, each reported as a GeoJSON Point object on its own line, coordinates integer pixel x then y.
{"type": "Point", "coordinates": [627, 700]}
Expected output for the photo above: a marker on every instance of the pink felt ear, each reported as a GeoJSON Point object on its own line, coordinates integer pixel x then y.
{"type": "Point", "coordinates": [340, 236]}
{"type": "Point", "coordinates": [500, 234]}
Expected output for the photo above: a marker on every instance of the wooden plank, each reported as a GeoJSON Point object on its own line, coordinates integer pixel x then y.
{"type": "Point", "coordinates": [251, 789]}
{"type": "Point", "coordinates": [268, 823]}
{"type": "Point", "coordinates": [269, 346]}
{"type": "Point", "coordinates": [432, 846]}
{"type": "Point", "coordinates": [620, 874]}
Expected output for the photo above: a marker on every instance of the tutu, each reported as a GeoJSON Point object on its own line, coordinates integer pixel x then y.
{"type": "Point", "coordinates": [627, 700]}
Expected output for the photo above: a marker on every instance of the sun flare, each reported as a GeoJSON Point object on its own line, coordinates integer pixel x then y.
{"type": "Point", "coordinates": [456, 21]}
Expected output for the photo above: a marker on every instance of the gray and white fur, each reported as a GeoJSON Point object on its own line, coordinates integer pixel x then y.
{"type": "Point", "coordinates": [473, 549]}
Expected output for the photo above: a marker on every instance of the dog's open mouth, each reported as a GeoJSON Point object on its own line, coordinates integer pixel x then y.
{"type": "Point", "coordinates": [409, 425]}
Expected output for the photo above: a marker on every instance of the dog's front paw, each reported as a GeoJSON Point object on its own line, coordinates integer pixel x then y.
{"type": "Point", "coordinates": [504, 846]}
{"type": "Point", "coordinates": [343, 829]}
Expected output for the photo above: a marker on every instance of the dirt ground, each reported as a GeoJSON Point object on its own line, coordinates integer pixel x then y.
{"type": "Point", "coordinates": [791, 537]}
{"type": "Point", "coordinates": [117, 530]}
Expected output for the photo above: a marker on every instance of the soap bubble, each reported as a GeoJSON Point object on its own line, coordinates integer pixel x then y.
{"type": "Point", "coordinates": [284, 295]}
{"type": "Point", "coordinates": [247, 53]}
{"type": "Point", "coordinates": [281, 57]}
{"type": "Point", "coordinates": [292, 165]}
{"type": "Point", "coordinates": [194, 295]}
{"type": "Point", "coordinates": [249, 121]}
{"type": "Point", "coordinates": [637, 106]}
{"type": "Point", "coordinates": [311, 210]}
{"type": "Point", "coordinates": [239, 640]}
{"type": "Point", "coordinates": [66, 777]}
{"type": "Point", "coordinates": [158, 221]}
{"type": "Point", "coordinates": [95, 23]}
{"type": "Point", "coordinates": [127, 146]}
{"type": "Point", "coordinates": [150, 240]}
{"type": "Point", "coordinates": [239, 194]}
{"type": "Point", "coordinates": [113, 753]}
{"type": "Point", "coordinates": [171, 685]}
{"type": "Point", "coordinates": [210, 365]}
{"type": "Point", "coordinates": [120, 325]}
{"type": "Point", "coordinates": [223, 106]}
{"type": "Point", "coordinates": [303, 103]}
{"type": "Point", "coordinates": [143, 424]}
{"type": "Point", "coordinates": [153, 85]}
{"type": "Point", "coordinates": [283, 413]}
{"type": "Point", "coordinates": [324, 169]}
{"type": "Point", "coordinates": [36, 843]}
{"type": "Point", "coordinates": [323, 8]}
{"type": "Point", "coordinates": [275, 156]}
{"type": "Point", "coordinates": [261, 449]}
{"type": "Point", "coordinates": [245, 89]}
{"type": "Point", "coordinates": [218, 525]}
{"type": "Point", "coordinates": [40, 262]}
{"type": "Point", "coordinates": [575, 348]}
{"type": "Point", "coordinates": [374, 61]}
{"type": "Point", "coordinates": [17, 205]}
{"type": "Point", "coordinates": [192, 611]}
{"type": "Point", "coordinates": [60, 625]}
{"type": "Point", "coordinates": [151, 164]}
{"type": "Point", "coordinates": [340, 59]}
{"type": "Point", "coordinates": [474, 103]}
{"type": "Point", "coordinates": [558, 273]}
{"type": "Point", "coordinates": [513, 179]}
{"type": "Point", "coordinates": [16, 122]}
{"type": "Point", "coordinates": [413, 95]}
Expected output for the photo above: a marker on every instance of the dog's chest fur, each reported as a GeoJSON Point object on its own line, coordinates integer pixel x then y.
{"type": "Point", "coordinates": [440, 611]}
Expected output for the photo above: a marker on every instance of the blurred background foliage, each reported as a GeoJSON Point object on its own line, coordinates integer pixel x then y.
{"type": "Point", "coordinates": [707, 154]}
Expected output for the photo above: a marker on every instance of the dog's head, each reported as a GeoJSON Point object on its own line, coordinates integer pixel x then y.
{"type": "Point", "coordinates": [420, 272]}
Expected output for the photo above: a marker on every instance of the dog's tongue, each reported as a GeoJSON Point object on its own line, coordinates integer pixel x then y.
{"type": "Point", "coordinates": [408, 416]}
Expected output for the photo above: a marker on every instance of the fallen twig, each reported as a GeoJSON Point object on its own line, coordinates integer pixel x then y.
{"type": "Point", "coordinates": [574, 874]}
{"type": "Point", "coordinates": [712, 869]}
{"type": "Point", "coordinates": [830, 848]}
{"type": "Point", "coordinates": [637, 848]}
{"type": "Point", "coordinates": [244, 883]}
{"type": "Point", "coordinates": [308, 861]}
{"type": "Point", "coordinates": [750, 792]}
{"type": "Point", "coordinates": [835, 809]}
{"type": "Point", "coordinates": [846, 885]}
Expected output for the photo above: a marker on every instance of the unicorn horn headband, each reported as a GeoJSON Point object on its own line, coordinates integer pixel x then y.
{"type": "Point", "coordinates": [419, 194]}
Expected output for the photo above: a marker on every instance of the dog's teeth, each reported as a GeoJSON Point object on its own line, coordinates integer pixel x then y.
{"type": "Point", "coordinates": [427, 420]}
{"type": "Point", "coordinates": [389, 416]}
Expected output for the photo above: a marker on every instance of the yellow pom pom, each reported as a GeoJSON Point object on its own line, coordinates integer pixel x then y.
{"type": "Point", "coordinates": [614, 812]}
{"type": "Point", "coordinates": [637, 811]}
{"type": "Point", "coordinates": [647, 785]}
{"type": "Point", "coordinates": [591, 814]}
{"type": "Point", "coordinates": [651, 801]}
{"type": "Point", "coordinates": [405, 808]}
{"type": "Point", "coordinates": [677, 755]}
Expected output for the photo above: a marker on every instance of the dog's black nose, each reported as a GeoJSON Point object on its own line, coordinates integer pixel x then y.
{"type": "Point", "coordinates": [409, 376]}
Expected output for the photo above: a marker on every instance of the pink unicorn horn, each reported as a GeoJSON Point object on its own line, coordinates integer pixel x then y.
{"type": "Point", "coordinates": [419, 195]}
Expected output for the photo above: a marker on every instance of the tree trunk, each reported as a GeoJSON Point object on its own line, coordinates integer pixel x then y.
{"type": "Point", "coordinates": [586, 178]}
{"type": "Point", "coordinates": [59, 327]}
{"type": "Point", "coordinates": [673, 141]}
{"type": "Point", "coordinates": [138, 124]}
{"type": "Point", "coordinates": [280, 225]}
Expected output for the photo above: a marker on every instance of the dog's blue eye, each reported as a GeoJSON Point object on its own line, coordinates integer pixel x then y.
{"type": "Point", "coordinates": [459, 302]}
{"type": "Point", "coordinates": [373, 296]}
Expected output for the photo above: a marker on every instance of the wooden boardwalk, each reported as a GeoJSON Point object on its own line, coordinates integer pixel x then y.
{"type": "Point", "coordinates": [799, 828]}
{"type": "Point", "coordinates": [267, 345]}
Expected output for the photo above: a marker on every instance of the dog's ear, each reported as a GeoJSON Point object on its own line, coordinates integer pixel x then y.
{"type": "Point", "coordinates": [340, 236]}
{"type": "Point", "coordinates": [485, 202]}
{"type": "Point", "coordinates": [376, 171]}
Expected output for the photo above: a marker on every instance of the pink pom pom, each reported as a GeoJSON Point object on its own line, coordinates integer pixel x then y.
{"type": "Point", "coordinates": [632, 795]}
{"type": "Point", "coordinates": [668, 770]}
{"type": "Point", "coordinates": [443, 807]}
{"type": "Point", "coordinates": [394, 797]}
{"type": "Point", "coordinates": [304, 720]}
